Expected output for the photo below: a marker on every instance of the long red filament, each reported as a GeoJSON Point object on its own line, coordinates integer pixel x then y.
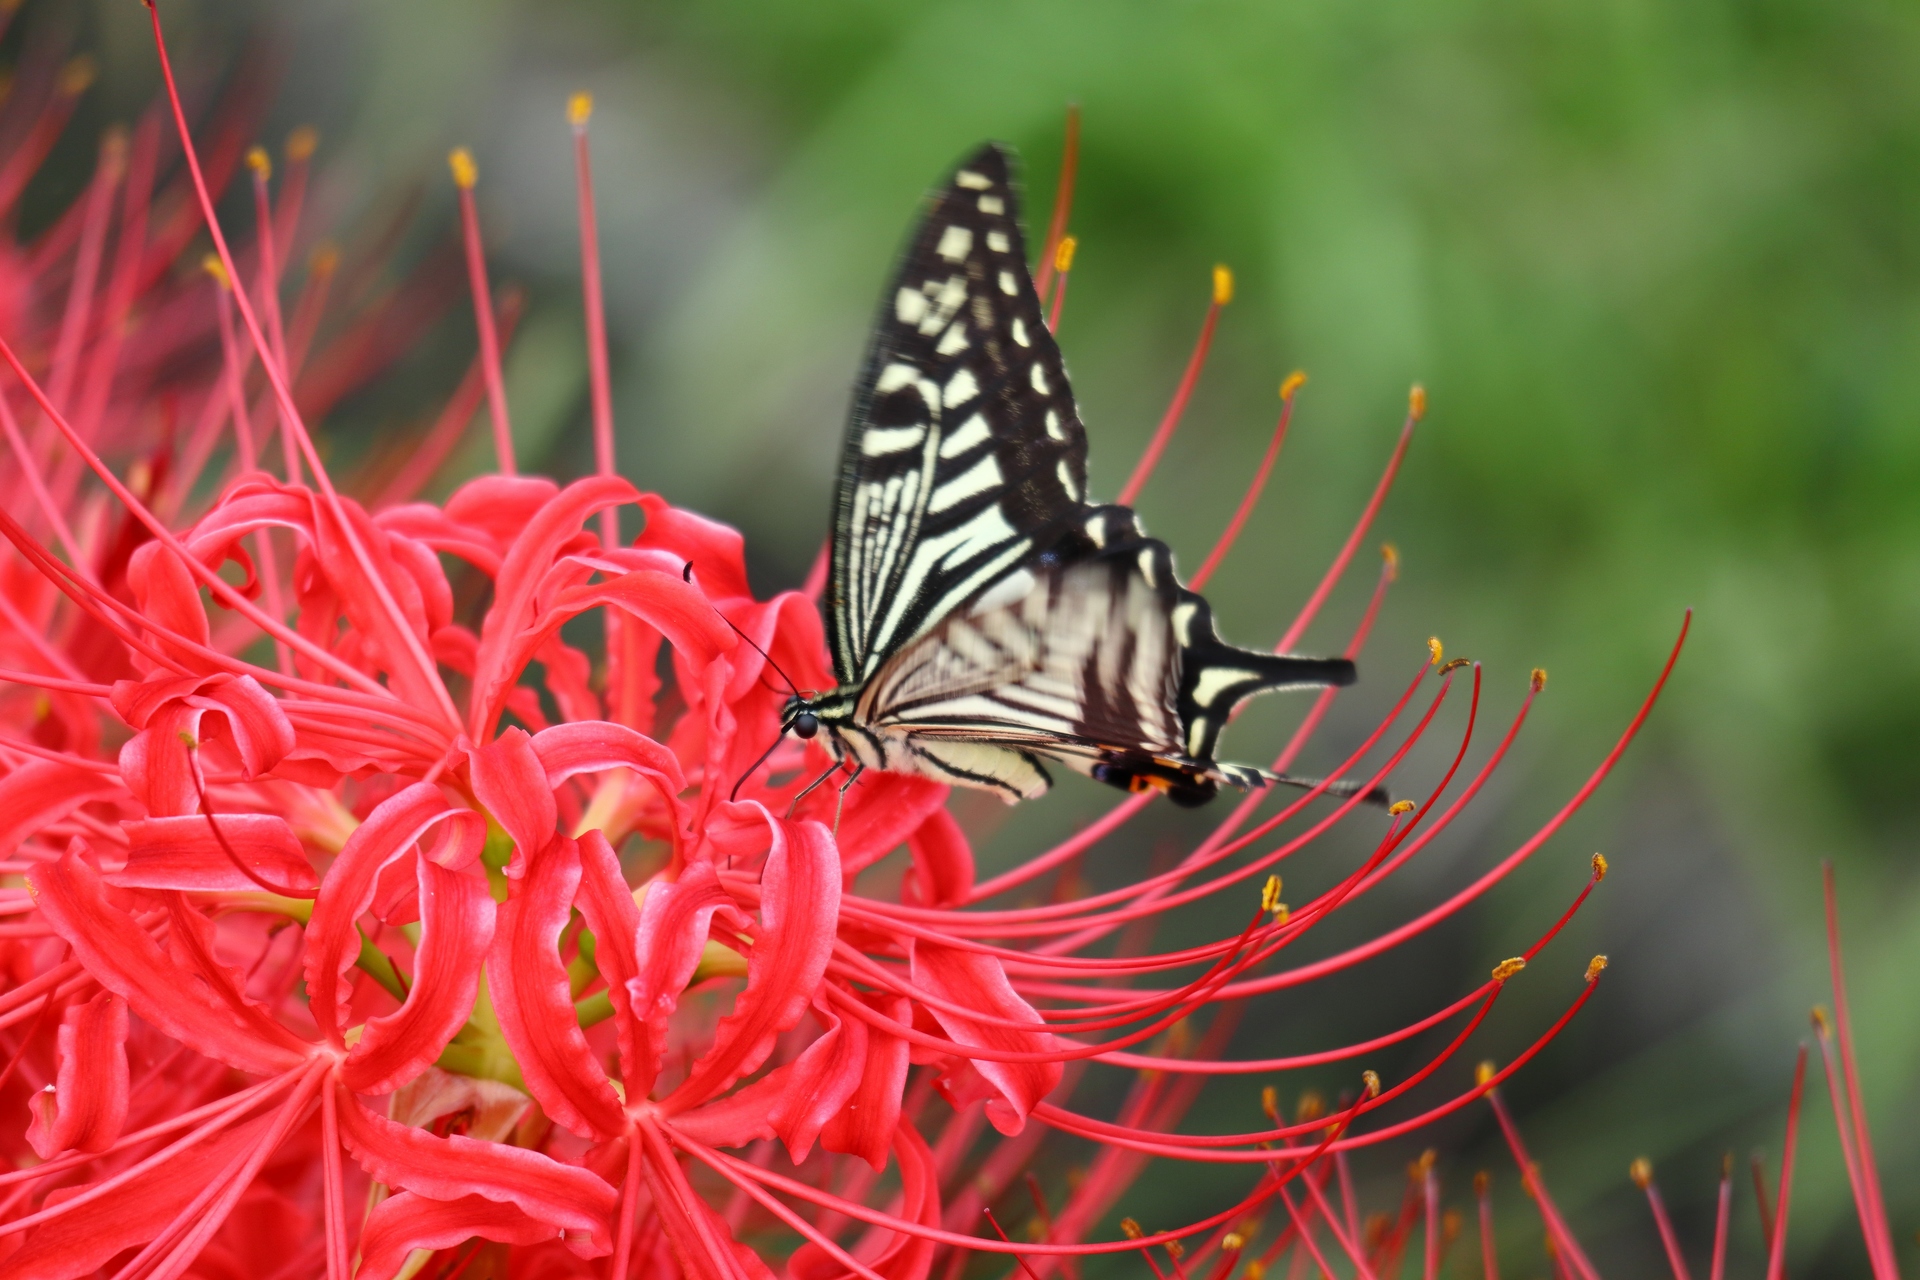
{"type": "Point", "coordinates": [1251, 497]}
{"type": "Point", "coordinates": [599, 378]}
{"type": "Point", "coordinates": [1175, 410]}
{"type": "Point", "coordinates": [1062, 200]}
{"type": "Point", "coordinates": [1867, 1196]}
{"type": "Point", "coordinates": [463, 177]}
{"type": "Point", "coordinates": [1777, 1252]}
{"type": "Point", "coordinates": [1416, 409]}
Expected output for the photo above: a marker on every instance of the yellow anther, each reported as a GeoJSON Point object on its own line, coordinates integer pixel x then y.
{"type": "Point", "coordinates": [76, 75]}
{"type": "Point", "coordinates": [1063, 256]}
{"type": "Point", "coordinates": [1270, 1103]}
{"type": "Point", "coordinates": [1291, 384]}
{"type": "Point", "coordinates": [1232, 1242]}
{"type": "Point", "coordinates": [1481, 1181]}
{"type": "Point", "coordinates": [1820, 1021]}
{"type": "Point", "coordinates": [187, 740]}
{"type": "Point", "coordinates": [302, 143]}
{"type": "Point", "coordinates": [1281, 913]}
{"type": "Point", "coordinates": [1270, 896]}
{"type": "Point", "coordinates": [579, 109]}
{"type": "Point", "coordinates": [1222, 286]}
{"type": "Point", "coordinates": [1176, 1250]}
{"type": "Point", "coordinates": [1449, 1227]}
{"type": "Point", "coordinates": [1417, 402]}
{"type": "Point", "coordinates": [1310, 1107]}
{"type": "Point", "coordinates": [1600, 867]}
{"type": "Point", "coordinates": [1391, 555]}
{"type": "Point", "coordinates": [1372, 1081]}
{"type": "Point", "coordinates": [1399, 807]}
{"type": "Point", "coordinates": [1595, 967]}
{"type": "Point", "coordinates": [260, 162]}
{"type": "Point", "coordinates": [1641, 1171]}
{"type": "Point", "coordinates": [1131, 1229]}
{"type": "Point", "coordinates": [460, 160]}
{"type": "Point", "coordinates": [1426, 1161]}
{"type": "Point", "coordinates": [1484, 1073]}
{"type": "Point", "coordinates": [212, 265]}
{"type": "Point", "coordinates": [325, 258]}
{"type": "Point", "coordinates": [1454, 664]}
{"type": "Point", "coordinates": [1438, 650]}
{"type": "Point", "coordinates": [1539, 679]}
{"type": "Point", "coordinates": [1507, 968]}
{"type": "Point", "coordinates": [1726, 1165]}
{"type": "Point", "coordinates": [1256, 1270]}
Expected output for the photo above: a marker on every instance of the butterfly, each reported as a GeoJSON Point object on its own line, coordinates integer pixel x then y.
{"type": "Point", "coordinates": [983, 617]}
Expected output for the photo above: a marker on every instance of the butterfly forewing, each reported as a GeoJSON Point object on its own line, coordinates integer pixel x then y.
{"type": "Point", "coordinates": [964, 447]}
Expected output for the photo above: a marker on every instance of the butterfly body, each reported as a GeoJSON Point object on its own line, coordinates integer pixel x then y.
{"type": "Point", "coordinates": [983, 617]}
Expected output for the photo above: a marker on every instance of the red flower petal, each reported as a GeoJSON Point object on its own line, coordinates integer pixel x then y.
{"type": "Point", "coordinates": [661, 600]}
{"type": "Point", "coordinates": [41, 792]}
{"type": "Point", "coordinates": [400, 1224]}
{"type": "Point", "coordinates": [799, 908]}
{"type": "Point", "coordinates": [596, 746]}
{"type": "Point", "coordinates": [390, 830]}
{"type": "Point", "coordinates": [183, 853]}
{"type": "Point", "coordinates": [674, 922]}
{"type": "Point", "coordinates": [534, 1000]}
{"type": "Point", "coordinates": [611, 914]}
{"type": "Point", "coordinates": [539, 541]}
{"type": "Point", "coordinates": [717, 551]}
{"type": "Point", "coordinates": [865, 1126]}
{"type": "Point", "coordinates": [87, 1106]}
{"type": "Point", "coordinates": [510, 781]}
{"type": "Point", "coordinates": [564, 1196]}
{"type": "Point", "coordinates": [942, 862]}
{"type": "Point", "coordinates": [124, 959]}
{"type": "Point", "coordinates": [978, 982]}
{"type": "Point", "coordinates": [456, 928]}
{"type": "Point", "coordinates": [893, 1254]}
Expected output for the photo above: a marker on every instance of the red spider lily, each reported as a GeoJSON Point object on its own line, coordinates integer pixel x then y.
{"type": "Point", "coordinates": [354, 930]}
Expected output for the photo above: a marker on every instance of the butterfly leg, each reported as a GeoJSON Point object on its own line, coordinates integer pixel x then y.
{"type": "Point", "coordinates": [808, 789]}
{"type": "Point", "coordinates": [840, 802]}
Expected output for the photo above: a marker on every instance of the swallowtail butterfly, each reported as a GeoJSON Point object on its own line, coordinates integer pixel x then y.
{"type": "Point", "coordinates": [982, 615]}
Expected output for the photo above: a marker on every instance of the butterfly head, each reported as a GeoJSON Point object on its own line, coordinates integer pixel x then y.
{"type": "Point", "coordinates": [800, 718]}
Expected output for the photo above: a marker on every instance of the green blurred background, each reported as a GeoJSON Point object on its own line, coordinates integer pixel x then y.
{"type": "Point", "coordinates": [1658, 266]}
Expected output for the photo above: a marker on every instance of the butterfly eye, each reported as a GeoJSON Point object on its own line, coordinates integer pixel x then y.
{"type": "Point", "coordinates": [806, 724]}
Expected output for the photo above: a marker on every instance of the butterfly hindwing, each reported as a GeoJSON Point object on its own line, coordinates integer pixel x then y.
{"type": "Point", "coordinates": [964, 445]}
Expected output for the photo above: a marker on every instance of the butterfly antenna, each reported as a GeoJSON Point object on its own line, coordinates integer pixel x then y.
{"type": "Point", "coordinates": [687, 575]}
{"type": "Point", "coordinates": [735, 793]}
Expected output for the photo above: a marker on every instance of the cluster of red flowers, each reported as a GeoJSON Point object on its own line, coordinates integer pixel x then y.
{"type": "Point", "coordinates": [358, 922]}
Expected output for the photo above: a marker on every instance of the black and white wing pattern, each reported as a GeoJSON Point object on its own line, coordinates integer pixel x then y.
{"type": "Point", "coordinates": [964, 447]}
{"type": "Point", "coordinates": [982, 616]}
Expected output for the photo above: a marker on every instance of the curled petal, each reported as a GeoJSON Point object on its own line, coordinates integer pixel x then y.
{"type": "Point", "coordinates": [498, 509]}
{"type": "Point", "coordinates": [87, 1106]}
{"type": "Point", "coordinates": [41, 792]}
{"type": "Point", "coordinates": [400, 1224]}
{"type": "Point", "coordinates": [793, 1102]}
{"type": "Point", "coordinates": [596, 746]}
{"type": "Point", "coordinates": [534, 999]}
{"type": "Point", "coordinates": [674, 923]}
{"type": "Point", "coordinates": [249, 718]}
{"type": "Point", "coordinates": [509, 780]}
{"type": "Point", "coordinates": [456, 928]}
{"type": "Point", "coordinates": [977, 981]}
{"type": "Point", "coordinates": [942, 862]}
{"type": "Point", "coordinates": [717, 551]}
{"type": "Point", "coordinates": [610, 912]}
{"type": "Point", "coordinates": [866, 1125]}
{"type": "Point", "coordinates": [183, 852]}
{"type": "Point", "coordinates": [799, 910]}
{"type": "Point", "coordinates": [167, 596]}
{"type": "Point", "coordinates": [389, 831]}
{"type": "Point", "coordinates": [565, 1197]}
{"type": "Point", "coordinates": [122, 957]}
